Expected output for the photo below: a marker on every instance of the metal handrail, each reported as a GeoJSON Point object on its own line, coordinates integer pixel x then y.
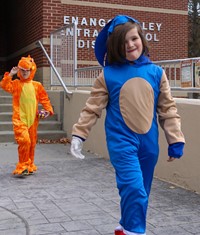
{"type": "Point", "coordinates": [187, 89]}
{"type": "Point", "coordinates": [54, 69]}
{"type": "Point", "coordinates": [176, 61]}
{"type": "Point", "coordinates": [171, 65]}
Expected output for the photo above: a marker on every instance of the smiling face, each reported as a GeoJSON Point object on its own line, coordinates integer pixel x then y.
{"type": "Point", "coordinates": [133, 45]}
{"type": "Point", "coordinates": [127, 41]}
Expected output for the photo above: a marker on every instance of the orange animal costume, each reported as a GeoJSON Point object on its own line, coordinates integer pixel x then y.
{"type": "Point", "coordinates": [26, 96]}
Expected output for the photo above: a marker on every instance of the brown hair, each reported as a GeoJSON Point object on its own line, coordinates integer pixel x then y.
{"type": "Point", "coordinates": [116, 42]}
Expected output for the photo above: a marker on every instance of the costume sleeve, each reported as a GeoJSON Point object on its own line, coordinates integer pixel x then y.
{"type": "Point", "coordinates": [92, 111]}
{"type": "Point", "coordinates": [7, 83]}
{"type": "Point", "coordinates": [44, 99]}
{"type": "Point", "coordinates": [168, 117]}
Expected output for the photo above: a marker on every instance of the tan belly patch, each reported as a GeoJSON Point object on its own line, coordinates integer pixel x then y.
{"type": "Point", "coordinates": [137, 104]}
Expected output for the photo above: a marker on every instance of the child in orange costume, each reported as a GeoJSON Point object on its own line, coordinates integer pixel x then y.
{"type": "Point", "coordinates": [26, 96]}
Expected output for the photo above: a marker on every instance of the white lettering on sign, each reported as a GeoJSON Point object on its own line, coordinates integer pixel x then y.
{"type": "Point", "coordinates": [88, 29]}
{"type": "Point", "coordinates": [151, 37]}
{"type": "Point", "coordinates": [151, 26]}
{"type": "Point", "coordinates": [84, 21]}
{"type": "Point", "coordinates": [87, 44]}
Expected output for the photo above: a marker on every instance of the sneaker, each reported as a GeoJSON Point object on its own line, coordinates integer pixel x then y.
{"type": "Point", "coordinates": [119, 232]}
{"type": "Point", "coordinates": [25, 172]}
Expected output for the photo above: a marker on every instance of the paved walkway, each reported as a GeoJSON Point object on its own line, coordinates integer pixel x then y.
{"type": "Point", "coordinates": [68, 196]}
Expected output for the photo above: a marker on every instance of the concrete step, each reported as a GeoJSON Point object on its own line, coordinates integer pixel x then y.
{"type": "Point", "coordinates": [8, 136]}
{"type": "Point", "coordinates": [7, 116]}
{"type": "Point", "coordinates": [6, 107]}
{"type": "Point", "coordinates": [50, 128]}
{"type": "Point", "coordinates": [6, 99]}
{"type": "Point", "coordinates": [43, 125]}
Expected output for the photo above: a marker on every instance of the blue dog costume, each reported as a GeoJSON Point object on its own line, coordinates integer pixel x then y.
{"type": "Point", "coordinates": [134, 95]}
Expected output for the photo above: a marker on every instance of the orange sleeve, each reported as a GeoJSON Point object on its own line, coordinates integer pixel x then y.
{"type": "Point", "coordinates": [44, 99]}
{"type": "Point", "coordinates": [7, 83]}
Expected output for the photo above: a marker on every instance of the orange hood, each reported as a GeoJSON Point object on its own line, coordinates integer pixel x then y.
{"type": "Point", "coordinates": [27, 63]}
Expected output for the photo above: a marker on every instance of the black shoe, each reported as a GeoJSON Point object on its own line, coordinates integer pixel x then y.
{"type": "Point", "coordinates": [25, 172]}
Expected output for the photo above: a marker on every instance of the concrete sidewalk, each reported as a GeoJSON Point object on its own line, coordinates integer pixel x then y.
{"type": "Point", "coordinates": [68, 196]}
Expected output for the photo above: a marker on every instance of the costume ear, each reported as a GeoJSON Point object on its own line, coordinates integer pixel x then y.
{"type": "Point", "coordinates": [100, 44]}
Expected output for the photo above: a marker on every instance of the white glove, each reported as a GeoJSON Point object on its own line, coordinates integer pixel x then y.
{"type": "Point", "coordinates": [13, 71]}
{"type": "Point", "coordinates": [76, 147]}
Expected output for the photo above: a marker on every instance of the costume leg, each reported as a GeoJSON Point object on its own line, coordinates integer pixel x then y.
{"type": "Point", "coordinates": [134, 199]}
{"type": "Point", "coordinates": [148, 157]}
{"type": "Point", "coordinates": [32, 167]}
{"type": "Point", "coordinates": [134, 174]}
{"type": "Point", "coordinates": [148, 163]}
{"type": "Point", "coordinates": [24, 143]}
{"type": "Point", "coordinates": [33, 138]}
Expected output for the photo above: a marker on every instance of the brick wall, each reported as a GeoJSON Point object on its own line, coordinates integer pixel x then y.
{"type": "Point", "coordinates": [173, 34]}
{"type": "Point", "coordinates": [29, 21]}
{"type": "Point", "coordinates": [3, 44]}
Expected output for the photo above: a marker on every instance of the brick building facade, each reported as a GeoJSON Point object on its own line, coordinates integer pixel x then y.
{"type": "Point", "coordinates": [165, 23]}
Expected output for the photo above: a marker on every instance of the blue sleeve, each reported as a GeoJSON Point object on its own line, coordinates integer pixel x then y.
{"type": "Point", "coordinates": [176, 150]}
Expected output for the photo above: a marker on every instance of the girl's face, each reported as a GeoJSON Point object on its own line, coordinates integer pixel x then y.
{"type": "Point", "coordinates": [25, 73]}
{"type": "Point", "coordinates": [133, 45]}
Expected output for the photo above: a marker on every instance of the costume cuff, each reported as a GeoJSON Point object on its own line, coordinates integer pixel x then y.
{"type": "Point", "coordinates": [176, 150]}
{"type": "Point", "coordinates": [79, 137]}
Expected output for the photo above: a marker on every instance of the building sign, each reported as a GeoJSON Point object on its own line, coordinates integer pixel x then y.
{"type": "Point", "coordinates": [197, 73]}
{"type": "Point", "coordinates": [186, 73]}
{"type": "Point", "coordinates": [87, 29]}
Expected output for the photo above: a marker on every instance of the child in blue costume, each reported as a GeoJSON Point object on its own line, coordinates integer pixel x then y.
{"type": "Point", "coordinates": [135, 92]}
